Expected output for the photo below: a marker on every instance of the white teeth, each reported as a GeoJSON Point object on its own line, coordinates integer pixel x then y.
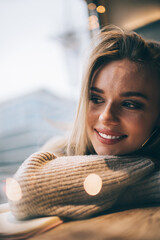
{"type": "Point", "coordinates": [109, 136]}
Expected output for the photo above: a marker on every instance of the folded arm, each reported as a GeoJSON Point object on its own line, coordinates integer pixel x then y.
{"type": "Point", "coordinates": [145, 191]}
{"type": "Point", "coordinates": [55, 186]}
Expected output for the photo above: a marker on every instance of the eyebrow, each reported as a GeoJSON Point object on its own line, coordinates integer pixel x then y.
{"type": "Point", "coordinates": [96, 90]}
{"type": "Point", "coordinates": [125, 94]}
{"type": "Point", "coordinates": [134, 94]}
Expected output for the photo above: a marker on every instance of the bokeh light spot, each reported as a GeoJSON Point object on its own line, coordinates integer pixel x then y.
{"type": "Point", "coordinates": [91, 6]}
{"type": "Point", "coordinates": [101, 9]}
{"type": "Point", "coordinates": [93, 184]}
{"type": "Point", "coordinates": [93, 22]}
{"type": "Point", "coordinates": [13, 189]}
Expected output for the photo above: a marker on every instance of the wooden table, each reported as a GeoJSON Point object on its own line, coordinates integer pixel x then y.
{"type": "Point", "coordinates": [131, 224]}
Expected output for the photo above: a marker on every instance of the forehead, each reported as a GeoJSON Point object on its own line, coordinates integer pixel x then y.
{"type": "Point", "coordinates": [127, 75]}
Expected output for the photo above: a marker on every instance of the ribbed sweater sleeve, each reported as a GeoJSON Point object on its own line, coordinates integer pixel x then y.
{"type": "Point", "coordinates": [145, 191]}
{"type": "Point", "coordinates": [55, 186]}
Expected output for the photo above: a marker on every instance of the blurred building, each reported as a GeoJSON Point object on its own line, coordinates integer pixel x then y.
{"type": "Point", "coordinates": [26, 123]}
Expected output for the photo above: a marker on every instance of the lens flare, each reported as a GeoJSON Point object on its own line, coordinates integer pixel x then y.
{"type": "Point", "coordinates": [93, 184]}
{"type": "Point", "coordinates": [13, 189]}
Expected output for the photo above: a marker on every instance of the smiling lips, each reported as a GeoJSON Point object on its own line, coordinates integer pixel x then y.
{"type": "Point", "coordinates": [109, 137]}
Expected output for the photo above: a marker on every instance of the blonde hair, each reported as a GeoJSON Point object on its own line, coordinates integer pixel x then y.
{"type": "Point", "coordinates": [112, 44]}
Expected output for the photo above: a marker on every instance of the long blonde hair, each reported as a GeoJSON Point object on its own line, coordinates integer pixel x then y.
{"type": "Point", "coordinates": [112, 44]}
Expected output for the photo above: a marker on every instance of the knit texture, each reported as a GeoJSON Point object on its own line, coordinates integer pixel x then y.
{"type": "Point", "coordinates": [55, 186]}
{"type": "Point", "coordinates": [145, 191]}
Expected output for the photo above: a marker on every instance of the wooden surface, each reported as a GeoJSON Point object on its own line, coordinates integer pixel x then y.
{"type": "Point", "coordinates": [132, 224]}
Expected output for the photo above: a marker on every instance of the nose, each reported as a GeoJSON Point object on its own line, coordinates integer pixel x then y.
{"type": "Point", "coordinates": [109, 115]}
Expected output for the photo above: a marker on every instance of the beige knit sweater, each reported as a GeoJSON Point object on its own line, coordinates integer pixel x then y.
{"type": "Point", "coordinates": [55, 186]}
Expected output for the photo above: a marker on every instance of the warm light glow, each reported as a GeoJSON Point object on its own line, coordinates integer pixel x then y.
{"type": "Point", "coordinates": [93, 22]}
{"type": "Point", "coordinates": [13, 189]}
{"type": "Point", "coordinates": [93, 184]}
{"type": "Point", "coordinates": [91, 6]}
{"type": "Point", "coordinates": [100, 9]}
{"type": "Point", "coordinates": [141, 19]}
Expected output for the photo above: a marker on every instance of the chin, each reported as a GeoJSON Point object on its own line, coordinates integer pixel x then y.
{"type": "Point", "coordinates": [110, 152]}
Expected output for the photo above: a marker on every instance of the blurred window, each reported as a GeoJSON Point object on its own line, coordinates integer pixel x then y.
{"type": "Point", "coordinates": [42, 45]}
{"type": "Point", "coordinates": [42, 54]}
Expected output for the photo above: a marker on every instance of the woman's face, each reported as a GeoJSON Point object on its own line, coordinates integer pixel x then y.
{"type": "Point", "coordinates": [123, 107]}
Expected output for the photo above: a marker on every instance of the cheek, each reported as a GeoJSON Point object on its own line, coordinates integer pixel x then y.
{"type": "Point", "coordinates": [135, 121]}
{"type": "Point", "coordinates": [90, 119]}
{"type": "Point", "coordinates": [91, 122]}
{"type": "Point", "coordinates": [90, 116]}
{"type": "Point", "coordinates": [140, 125]}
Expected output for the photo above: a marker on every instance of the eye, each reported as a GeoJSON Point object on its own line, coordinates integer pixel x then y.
{"type": "Point", "coordinates": [132, 105]}
{"type": "Point", "coordinates": [96, 99]}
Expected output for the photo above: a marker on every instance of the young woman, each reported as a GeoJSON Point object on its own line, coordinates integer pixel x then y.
{"type": "Point", "coordinates": [114, 144]}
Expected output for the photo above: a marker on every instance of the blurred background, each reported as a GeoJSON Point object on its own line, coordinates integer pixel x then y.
{"type": "Point", "coordinates": [44, 45]}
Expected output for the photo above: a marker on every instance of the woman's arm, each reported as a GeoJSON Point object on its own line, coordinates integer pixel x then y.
{"type": "Point", "coordinates": [55, 186]}
{"type": "Point", "coordinates": [146, 191]}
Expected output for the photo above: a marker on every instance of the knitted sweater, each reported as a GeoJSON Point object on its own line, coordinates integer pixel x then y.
{"type": "Point", "coordinates": [56, 186]}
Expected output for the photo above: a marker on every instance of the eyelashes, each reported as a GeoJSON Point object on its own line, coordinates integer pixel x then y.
{"type": "Point", "coordinates": [128, 104]}
{"type": "Point", "coordinates": [132, 105]}
{"type": "Point", "coordinates": [96, 99]}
